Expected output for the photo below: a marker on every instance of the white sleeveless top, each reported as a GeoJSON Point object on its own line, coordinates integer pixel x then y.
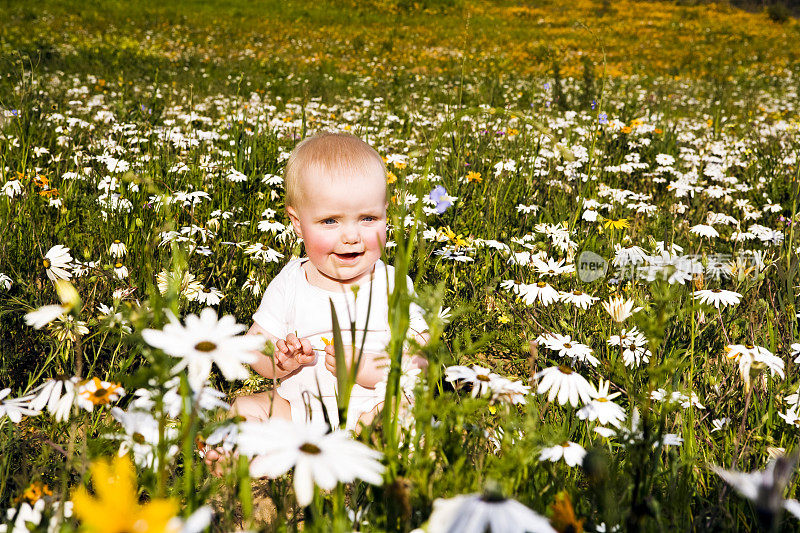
{"type": "Point", "coordinates": [293, 305]}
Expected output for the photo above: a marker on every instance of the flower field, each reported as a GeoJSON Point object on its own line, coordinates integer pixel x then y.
{"type": "Point", "coordinates": [596, 204]}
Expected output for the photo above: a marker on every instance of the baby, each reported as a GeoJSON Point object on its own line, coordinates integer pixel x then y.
{"type": "Point", "coordinates": [336, 200]}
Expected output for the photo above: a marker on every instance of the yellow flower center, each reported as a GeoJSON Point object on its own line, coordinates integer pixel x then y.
{"type": "Point", "coordinates": [716, 291]}
{"type": "Point", "coordinates": [565, 369]}
{"type": "Point", "coordinates": [601, 400]}
{"type": "Point", "coordinates": [205, 346]}
{"type": "Point", "coordinates": [577, 293]}
{"type": "Point", "coordinates": [46, 263]}
{"type": "Point", "coordinates": [118, 265]}
{"type": "Point", "coordinates": [567, 345]}
{"type": "Point", "coordinates": [311, 449]}
{"type": "Point", "coordinates": [116, 241]}
{"type": "Point", "coordinates": [482, 377]}
{"type": "Point", "coordinates": [749, 346]}
{"type": "Point", "coordinates": [541, 284]}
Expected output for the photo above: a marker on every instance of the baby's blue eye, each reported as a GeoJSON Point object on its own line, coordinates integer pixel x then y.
{"type": "Point", "coordinates": [369, 219]}
{"type": "Point", "coordinates": [329, 221]}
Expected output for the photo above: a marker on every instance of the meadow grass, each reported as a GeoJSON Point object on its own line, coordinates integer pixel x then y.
{"type": "Point", "coordinates": [621, 128]}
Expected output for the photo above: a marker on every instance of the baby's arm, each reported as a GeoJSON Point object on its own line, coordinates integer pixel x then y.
{"type": "Point", "coordinates": [290, 354]}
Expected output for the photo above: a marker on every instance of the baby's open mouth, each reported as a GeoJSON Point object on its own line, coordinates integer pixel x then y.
{"type": "Point", "coordinates": [349, 256]}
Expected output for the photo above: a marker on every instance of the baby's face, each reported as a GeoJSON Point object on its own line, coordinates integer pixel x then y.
{"type": "Point", "coordinates": [343, 226]}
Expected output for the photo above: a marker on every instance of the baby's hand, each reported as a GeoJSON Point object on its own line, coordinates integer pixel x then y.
{"type": "Point", "coordinates": [292, 353]}
{"type": "Point", "coordinates": [370, 369]}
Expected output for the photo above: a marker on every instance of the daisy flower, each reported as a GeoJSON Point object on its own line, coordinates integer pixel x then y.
{"type": "Point", "coordinates": [96, 392]}
{"type": "Point", "coordinates": [120, 271]}
{"type": "Point", "coordinates": [57, 261]}
{"type": "Point", "coordinates": [565, 384]}
{"type": "Point", "coordinates": [317, 458]}
{"type": "Point", "coordinates": [566, 347]}
{"type": "Point", "coordinates": [796, 351]}
{"type": "Point", "coordinates": [477, 376]}
{"type": "Point", "coordinates": [765, 488]}
{"type": "Point", "coordinates": [210, 296]}
{"type": "Point", "coordinates": [206, 340]}
{"type": "Point", "coordinates": [475, 513]}
{"type": "Point", "coordinates": [572, 453]}
{"type": "Point", "coordinates": [14, 408]}
{"type": "Point", "coordinates": [541, 291]}
{"type": "Point", "coordinates": [58, 395]}
{"type": "Point", "coordinates": [140, 436]}
{"type": "Point", "coordinates": [44, 315]}
{"type": "Point", "coordinates": [117, 248]}
{"type": "Point", "coordinates": [704, 230]}
{"type": "Point", "coordinates": [749, 357]}
{"type": "Point", "coordinates": [717, 297]}
{"type": "Point", "coordinates": [601, 408]}
{"type": "Point", "coordinates": [791, 417]}
{"type": "Point", "coordinates": [619, 308]}
{"type": "Point", "coordinates": [580, 299]}
{"type": "Point", "coordinates": [5, 281]}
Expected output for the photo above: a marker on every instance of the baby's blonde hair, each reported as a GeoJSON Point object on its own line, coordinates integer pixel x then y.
{"type": "Point", "coordinates": [337, 154]}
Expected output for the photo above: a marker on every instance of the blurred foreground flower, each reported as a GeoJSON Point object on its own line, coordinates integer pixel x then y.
{"type": "Point", "coordinates": [476, 513]}
{"type": "Point", "coordinates": [205, 340]}
{"type": "Point", "coordinates": [572, 453]}
{"type": "Point", "coordinates": [765, 488]}
{"type": "Point", "coordinates": [277, 446]}
{"type": "Point", "coordinates": [14, 408]}
{"type": "Point", "coordinates": [115, 507]}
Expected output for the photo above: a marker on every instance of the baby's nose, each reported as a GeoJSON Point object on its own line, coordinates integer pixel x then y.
{"type": "Point", "coordinates": [351, 235]}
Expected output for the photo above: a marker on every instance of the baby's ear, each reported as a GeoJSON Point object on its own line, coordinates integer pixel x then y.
{"type": "Point", "coordinates": [292, 212]}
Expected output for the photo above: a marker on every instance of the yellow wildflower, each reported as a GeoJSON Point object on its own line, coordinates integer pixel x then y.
{"type": "Point", "coordinates": [620, 223]}
{"type": "Point", "coordinates": [474, 177]}
{"type": "Point", "coordinates": [390, 177]}
{"type": "Point", "coordinates": [116, 508]}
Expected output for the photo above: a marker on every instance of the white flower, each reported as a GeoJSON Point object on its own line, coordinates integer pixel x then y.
{"type": "Point", "coordinates": [317, 458]}
{"type": "Point", "coordinates": [271, 226]}
{"type": "Point", "coordinates": [12, 188]}
{"type": "Point", "coordinates": [14, 408]}
{"type": "Point", "coordinates": [56, 262]}
{"type": "Point", "coordinates": [120, 271]}
{"type": "Point", "coordinates": [478, 376]}
{"type": "Point", "coordinates": [751, 358]}
{"type": "Point", "coordinates": [186, 284]}
{"type": "Point", "coordinates": [541, 291]}
{"type": "Point", "coordinates": [572, 453]}
{"type": "Point", "coordinates": [716, 297]}
{"type": "Point", "coordinates": [50, 394]}
{"type": "Point", "coordinates": [21, 519]}
{"type": "Point", "coordinates": [205, 340]}
{"type": "Point", "coordinates": [565, 383]}
{"type": "Point", "coordinates": [719, 423]}
{"type": "Point", "coordinates": [204, 399]}
{"type": "Point", "coordinates": [141, 437]}
{"type": "Point", "coordinates": [5, 282]}
{"type": "Point", "coordinates": [473, 513]}
{"type": "Point", "coordinates": [704, 231]}
{"type": "Point", "coordinates": [791, 417]}
{"type": "Point", "coordinates": [566, 347]}
{"type": "Point", "coordinates": [796, 351]}
{"type": "Point", "coordinates": [44, 315]}
{"type": "Point", "coordinates": [619, 308]}
{"type": "Point", "coordinates": [578, 298]}
{"type": "Point", "coordinates": [601, 408]}
{"type": "Point", "coordinates": [503, 389]}
{"type": "Point", "coordinates": [765, 488]}
{"type": "Point", "coordinates": [117, 249]}
{"type": "Point", "coordinates": [211, 296]}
